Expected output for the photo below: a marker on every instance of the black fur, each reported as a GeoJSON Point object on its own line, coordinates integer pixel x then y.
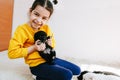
{"type": "Point", "coordinates": [80, 77]}
{"type": "Point", "coordinates": [105, 73]}
{"type": "Point", "coordinates": [49, 53]}
{"type": "Point", "coordinates": [55, 1]}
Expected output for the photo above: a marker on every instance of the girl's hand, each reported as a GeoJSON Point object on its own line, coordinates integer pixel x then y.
{"type": "Point", "coordinates": [39, 46]}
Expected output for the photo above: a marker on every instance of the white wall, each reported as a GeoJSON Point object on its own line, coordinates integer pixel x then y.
{"type": "Point", "coordinates": [84, 29]}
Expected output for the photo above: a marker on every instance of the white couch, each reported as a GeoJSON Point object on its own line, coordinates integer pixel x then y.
{"type": "Point", "coordinates": [16, 69]}
{"type": "Point", "coordinates": [13, 69]}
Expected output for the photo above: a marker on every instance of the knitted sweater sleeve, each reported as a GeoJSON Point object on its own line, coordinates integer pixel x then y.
{"type": "Point", "coordinates": [16, 47]}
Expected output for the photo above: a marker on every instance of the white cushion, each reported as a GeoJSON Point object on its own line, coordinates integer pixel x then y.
{"type": "Point", "coordinates": [13, 69]}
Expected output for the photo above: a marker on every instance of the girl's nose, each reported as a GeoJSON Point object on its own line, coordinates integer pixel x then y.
{"type": "Point", "coordinates": [39, 19]}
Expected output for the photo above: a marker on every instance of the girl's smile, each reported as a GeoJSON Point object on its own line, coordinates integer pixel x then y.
{"type": "Point", "coordinates": [38, 17]}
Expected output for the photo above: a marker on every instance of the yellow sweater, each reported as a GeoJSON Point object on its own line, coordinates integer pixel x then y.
{"type": "Point", "coordinates": [23, 38]}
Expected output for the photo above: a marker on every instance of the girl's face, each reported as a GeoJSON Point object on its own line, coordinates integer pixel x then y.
{"type": "Point", "coordinates": [38, 17]}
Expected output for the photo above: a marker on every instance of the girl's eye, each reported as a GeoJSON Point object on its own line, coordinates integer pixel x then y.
{"type": "Point", "coordinates": [44, 18]}
{"type": "Point", "coordinates": [36, 14]}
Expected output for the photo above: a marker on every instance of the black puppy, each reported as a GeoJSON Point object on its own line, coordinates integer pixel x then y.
{"type": "Point", "coordinates": [49, 53]}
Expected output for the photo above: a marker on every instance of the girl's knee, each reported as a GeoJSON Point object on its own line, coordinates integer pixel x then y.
{"type": "Point", "coordinates": [78, 71]}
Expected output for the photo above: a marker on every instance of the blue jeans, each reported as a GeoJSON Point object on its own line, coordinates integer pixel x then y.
{"type": "Point", "coordinates": [61, 70]}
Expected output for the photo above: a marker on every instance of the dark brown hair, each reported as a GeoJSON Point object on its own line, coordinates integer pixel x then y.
{"type": "Point", "coordinates": [47, 4]}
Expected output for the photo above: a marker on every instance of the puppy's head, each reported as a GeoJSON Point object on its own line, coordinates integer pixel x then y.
{"type": "Point", "coordinates": [40, 35]}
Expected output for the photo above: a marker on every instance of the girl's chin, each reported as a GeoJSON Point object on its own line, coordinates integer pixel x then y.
{"type": "Point", "coordinates": [36, 28]}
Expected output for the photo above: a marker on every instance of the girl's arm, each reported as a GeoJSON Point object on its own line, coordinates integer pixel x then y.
{"type": "Point", "coordinates": [21, 44]}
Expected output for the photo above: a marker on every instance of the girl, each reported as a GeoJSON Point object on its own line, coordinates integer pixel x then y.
{"type": "Point", "coordinates": [22, 45]}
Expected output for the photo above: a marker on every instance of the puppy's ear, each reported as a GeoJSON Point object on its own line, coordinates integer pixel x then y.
{"type": "Point", "coordinates": [55, 2]}
{"type": "Point", "coordinates": [48, 37]}
{"type": "Point", "coordinates": [80, 77]}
